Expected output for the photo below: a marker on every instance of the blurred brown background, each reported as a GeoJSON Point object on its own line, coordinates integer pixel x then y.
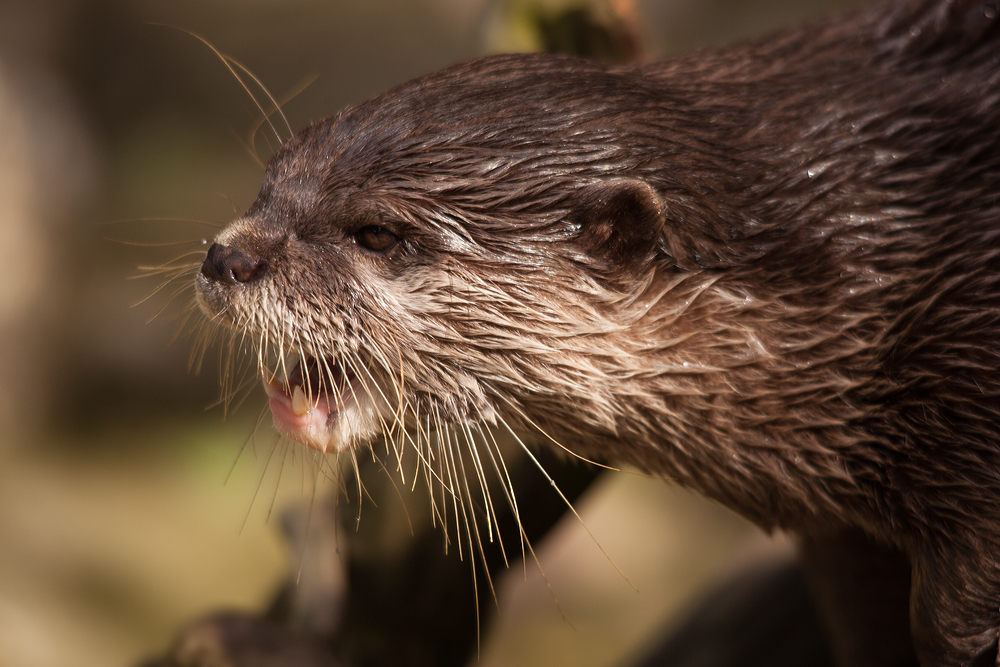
{"type": "Point", "coordinates": [123, 143]}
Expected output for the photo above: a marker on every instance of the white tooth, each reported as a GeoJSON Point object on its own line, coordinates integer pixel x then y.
{"type": "Point", "coordinates": [300, 405]}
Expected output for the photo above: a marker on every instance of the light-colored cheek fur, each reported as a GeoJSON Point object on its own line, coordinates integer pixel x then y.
{"type": "Point", "coordinates": [509, 344]}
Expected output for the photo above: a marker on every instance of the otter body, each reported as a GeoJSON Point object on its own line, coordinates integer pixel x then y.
{"type": "Point", "coordinates": [770, 272]}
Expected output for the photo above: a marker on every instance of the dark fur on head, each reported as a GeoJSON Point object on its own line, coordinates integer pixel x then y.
{"type": "Point", "coordinates": [768, 271]}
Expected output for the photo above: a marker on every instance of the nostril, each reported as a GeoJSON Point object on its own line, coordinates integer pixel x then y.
{"type": "Point", "coordinates": [228, 265]}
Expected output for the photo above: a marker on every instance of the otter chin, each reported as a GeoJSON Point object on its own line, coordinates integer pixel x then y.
{"type": "Point", "coordinates": [768, 272]}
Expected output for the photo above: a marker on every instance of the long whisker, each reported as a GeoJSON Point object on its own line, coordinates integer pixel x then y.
{"type": "Point", "coordinates": [246, 443]}
{"type": "Point", "coordinates": [305, 538]}
{"type": "Point", "coordinates": [260, 481]}
{"type": "Point", "coordinates": [229, 62]}
{"type": "Point", "coordinates": [473, 531]}
{"type": "Point", "coordinates": [399, 495]}
{"type": "Point", "coordinates": [484, 487]}
{"type": "Point", "coordinates": [558, 444]}
{"type": "Point", "coordinates": [281, 469]}
{"type": "Point", "coordinates": [565, 500]}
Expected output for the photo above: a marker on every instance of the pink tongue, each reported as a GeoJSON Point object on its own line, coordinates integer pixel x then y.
{"type": "Point", "coordinates": [309, 428]}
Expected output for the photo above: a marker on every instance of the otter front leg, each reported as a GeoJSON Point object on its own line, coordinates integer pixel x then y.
{"type": "Point", "coordinates": [862, 591]}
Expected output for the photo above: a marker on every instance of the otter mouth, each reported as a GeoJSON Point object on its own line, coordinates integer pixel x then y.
{"type": "Point", "coordinates": [309, 405]}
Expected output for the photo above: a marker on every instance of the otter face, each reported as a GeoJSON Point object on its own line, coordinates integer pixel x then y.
{"type": "Point", "coordinates": [366, 319]}
{"type": "Point", "coordinates": [397, 273]}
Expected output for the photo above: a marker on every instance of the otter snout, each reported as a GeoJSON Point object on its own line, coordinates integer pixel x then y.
{"type": "Point", "coordinates": [230, 266]}
{"type": "Point", "coordinates": [224, 271]}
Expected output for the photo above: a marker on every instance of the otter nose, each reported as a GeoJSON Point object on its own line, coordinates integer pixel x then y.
{"type": "Point", "coordinates": [230, 266]}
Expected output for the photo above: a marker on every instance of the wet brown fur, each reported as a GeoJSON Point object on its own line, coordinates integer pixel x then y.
{"type": "Point", "coordinates": [768, 271]}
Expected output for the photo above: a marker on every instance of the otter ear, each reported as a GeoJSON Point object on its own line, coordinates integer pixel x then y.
{"type": "Point", "coordinates": [621, 221]}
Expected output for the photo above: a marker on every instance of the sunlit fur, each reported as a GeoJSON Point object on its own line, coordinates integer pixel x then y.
{"type": "Point", "coordinates": [768, 272]}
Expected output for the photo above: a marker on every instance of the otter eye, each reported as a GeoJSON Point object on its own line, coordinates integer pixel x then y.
{"type": "Point", "coordinates": [376, 239]}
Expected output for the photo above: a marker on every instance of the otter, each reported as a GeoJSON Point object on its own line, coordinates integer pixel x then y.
{"type": "Point", "coordinates": [770, 272]}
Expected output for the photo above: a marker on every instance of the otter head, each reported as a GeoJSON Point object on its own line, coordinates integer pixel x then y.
{"type": "Point", "coordinates": [448, 253]}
